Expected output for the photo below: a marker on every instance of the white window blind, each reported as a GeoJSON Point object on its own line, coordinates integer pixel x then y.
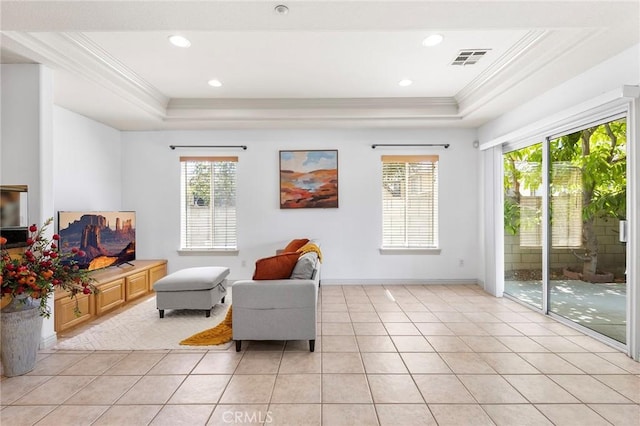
{"type": "Point", "coordinates": [530, 221]}
{"type": "Point", "coordinates": [208, 203]}
{"type": "Point", "coordinates": [566, 205]}
{"type": "Point", "coordinates": [566, 210]}
{"type": "Point", "coordinates": [410, 201]}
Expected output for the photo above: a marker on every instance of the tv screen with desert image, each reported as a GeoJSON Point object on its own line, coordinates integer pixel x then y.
{"type": "Point", "coordinates": [98, 239]}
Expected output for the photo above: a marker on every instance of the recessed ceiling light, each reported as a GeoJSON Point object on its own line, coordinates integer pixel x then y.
{"type": "Point", "coordinates": [432, 40]}
{"type": "Point", "coordinates": [179, 41]}
{"type": "Point", "coordinates": [215, 83]}
{"type": "Point", "coordinates": [281, 9]}
{"type": "Point", "coordinates": [405, 82]}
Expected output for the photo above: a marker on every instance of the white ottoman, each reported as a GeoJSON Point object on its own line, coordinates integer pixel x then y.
{"type": "Point", "coordinates": [192, 288]}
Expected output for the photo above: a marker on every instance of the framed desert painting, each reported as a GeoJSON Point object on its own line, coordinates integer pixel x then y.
{"type": "Point", "coordinates": [308, 179]}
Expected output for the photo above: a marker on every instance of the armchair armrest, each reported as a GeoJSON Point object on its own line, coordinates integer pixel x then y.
{"type": "Point", "coordinates": [274, 294]}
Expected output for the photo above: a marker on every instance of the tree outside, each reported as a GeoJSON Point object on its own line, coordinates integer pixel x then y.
{"type": "Point", "coordinates": [597, 156]}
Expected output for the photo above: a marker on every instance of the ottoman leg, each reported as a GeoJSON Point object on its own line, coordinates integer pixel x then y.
{"type": "Point", "coordinates": [222, 300]}
{"type": "Point", "coordinates": [161, 311]}
{"type": "Point", "coordinates": [238, 345]}
{"type": "Point", "coordinates": [312, 345]}
{"type": "Point", "coordinates": [208, 313]}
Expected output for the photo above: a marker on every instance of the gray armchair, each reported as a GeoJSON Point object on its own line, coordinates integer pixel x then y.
{"type": "Point", "coordinates": [276, 309]}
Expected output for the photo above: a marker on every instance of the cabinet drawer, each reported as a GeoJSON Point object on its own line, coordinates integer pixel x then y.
{"type": "Point", "coordinates": [66, 318]}
{"type": "Point", "coordinates": [136, 285]}
{"type": "Point", "coordinates": [111, 296]}
{"type": "Point", "coordinates": [156, 273]}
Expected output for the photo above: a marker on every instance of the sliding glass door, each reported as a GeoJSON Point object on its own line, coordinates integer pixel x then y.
{"type": "Point", "coordinates": [565, 210]}
{"type": "Point", "coordinates": [587, 201]}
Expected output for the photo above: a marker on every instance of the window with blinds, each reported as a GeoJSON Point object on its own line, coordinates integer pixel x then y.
{"type": "Point", "coordinates": [410, 201]}
{"type": "Point", "coordinates": [208, 203]}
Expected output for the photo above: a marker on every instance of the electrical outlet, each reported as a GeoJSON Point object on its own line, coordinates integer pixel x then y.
{"type": "Point", "coordinates": [461, 262]}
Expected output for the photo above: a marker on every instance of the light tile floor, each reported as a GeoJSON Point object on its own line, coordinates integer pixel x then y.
{"type": "Point", "coordinates": [389, 355]}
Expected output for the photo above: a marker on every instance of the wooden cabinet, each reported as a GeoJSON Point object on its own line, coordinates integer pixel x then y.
{"type": "Point", "coordinates": [117, 286]}
{"type": "Point", "coordinates": [137, 285]}
{"type": "Point", "coordinates": [110, 297]}
{"type": "Point", "coordinates": [65, 311]}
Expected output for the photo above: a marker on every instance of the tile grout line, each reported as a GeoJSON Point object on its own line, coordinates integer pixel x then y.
{"type": "Point", "coordinates": [364, 367]}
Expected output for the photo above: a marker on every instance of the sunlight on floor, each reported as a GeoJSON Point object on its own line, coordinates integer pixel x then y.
{"type": "Point", "coordinates": [599, 307]}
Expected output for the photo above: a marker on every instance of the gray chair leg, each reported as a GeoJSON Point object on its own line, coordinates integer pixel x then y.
{"type": "Point", "coordinates": [238, 345]}
{"type": "Point", "coordinates": [161, 312]}
{"type": "Point", "coordinates": [312, 345]}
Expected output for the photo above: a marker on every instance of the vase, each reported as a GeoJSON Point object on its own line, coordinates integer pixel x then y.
{"type": "Point", "coordinates": [21, 328]}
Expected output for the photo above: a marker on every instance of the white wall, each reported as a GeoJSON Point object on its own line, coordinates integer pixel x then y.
{"type": "Point", "coordinates": [88, 161]}
{"type": "Point", "coordinates": [350, 235]}
{"type": "Point", "coordinates": [27, 145]}
{"type": "Point", "coordinates": [20, 149]}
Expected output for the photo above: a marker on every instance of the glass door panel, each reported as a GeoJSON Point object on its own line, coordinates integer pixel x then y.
{"type": "Point", "coordinates": [587, 201]}
{"type": "Point", "coordinates": [523, 223]}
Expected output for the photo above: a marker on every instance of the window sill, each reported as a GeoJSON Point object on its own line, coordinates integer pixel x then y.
{"type": "Point", "coordinates": [426, 251]}
{"type": "Point", "coordinates": [208, 252]}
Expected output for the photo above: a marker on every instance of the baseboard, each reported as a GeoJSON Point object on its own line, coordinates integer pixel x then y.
{"type": "Point", "coordinates": [49, 341]}
{"type": "Point", "coordinates": [394, 281]}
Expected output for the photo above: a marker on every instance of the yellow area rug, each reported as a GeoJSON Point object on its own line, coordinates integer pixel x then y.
{"type": "Point", "coordinates": [221, 333]}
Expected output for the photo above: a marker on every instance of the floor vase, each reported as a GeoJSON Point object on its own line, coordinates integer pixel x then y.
{"type": "Point", "coordinates": [21, 327]}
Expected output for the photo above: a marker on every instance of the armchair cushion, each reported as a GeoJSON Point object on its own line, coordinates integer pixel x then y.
{"type": "Point", "coordinates": [294, 245]}
{"type": "Point", "coordinates": [305, 266]}
{"type": "Point", "coordinates": [275, 267]}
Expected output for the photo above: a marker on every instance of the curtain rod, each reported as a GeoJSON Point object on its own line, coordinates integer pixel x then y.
{"type": "Point", "coordinates": [445, 145]}
{"type": "Point", "coordinates": [244, 147]}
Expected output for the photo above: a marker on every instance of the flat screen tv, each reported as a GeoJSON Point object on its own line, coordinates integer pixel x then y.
{"type": "Point", "coordinates": [105, 238]}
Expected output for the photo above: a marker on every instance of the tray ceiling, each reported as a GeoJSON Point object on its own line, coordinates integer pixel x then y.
{"type": "Point", "coordinates": [332, 63]}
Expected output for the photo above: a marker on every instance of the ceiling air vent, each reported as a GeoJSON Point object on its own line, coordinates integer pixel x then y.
{"type": "Point", "coordinates": [469, 56]}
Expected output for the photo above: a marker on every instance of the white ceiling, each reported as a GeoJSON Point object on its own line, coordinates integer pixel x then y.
{"type": "Point", "coordinates": [307, 64]}
{"type": "Point", "coordinates": [332, 63]}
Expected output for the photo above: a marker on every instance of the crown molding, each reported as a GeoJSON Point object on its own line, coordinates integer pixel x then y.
{"type": "Point", "coordinates": [538, 49]}
{"type": "Point", "coordinates": [76, 54]}
{"type": "Point", "coordinates": [312, 109]}
{"type": "Point", "coordinates": [116, 67]}
{"type": "Point", "coordinates": [501, 64]}
{"type": "Point", "coordinates": [308, 123]}
{"type": "Point", "coordinates": [448, 104]}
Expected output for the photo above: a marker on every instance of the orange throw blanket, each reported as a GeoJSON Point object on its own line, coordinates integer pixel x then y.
{"type": "Point", "coordinates": [310, 247]}
{"type": "Point", "coordinates": [221, 333]}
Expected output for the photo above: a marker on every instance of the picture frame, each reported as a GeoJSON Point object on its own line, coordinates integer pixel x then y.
{"type": "Point", "coordinates": [309, 179]}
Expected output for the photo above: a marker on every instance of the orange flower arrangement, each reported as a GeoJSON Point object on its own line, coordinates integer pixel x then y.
{"type": "Point", "coordinates": [41, 269]}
